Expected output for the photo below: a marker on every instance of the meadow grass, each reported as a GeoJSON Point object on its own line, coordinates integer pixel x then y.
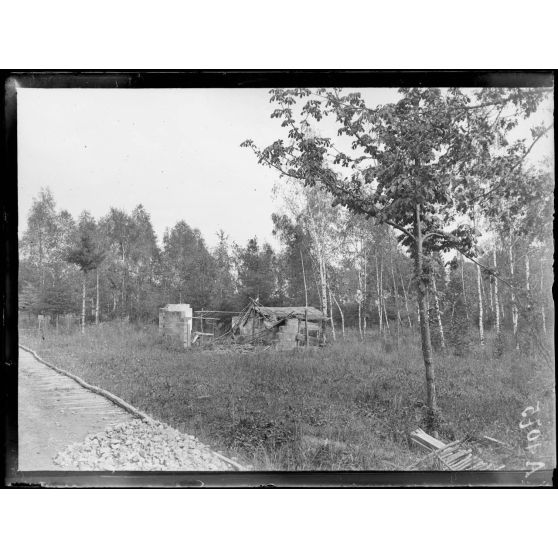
{"type": "Point", "coordinates": [275, 410]}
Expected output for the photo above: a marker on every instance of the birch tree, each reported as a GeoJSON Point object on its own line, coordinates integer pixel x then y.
{"type": "Point", "coordinates": [87, 254]}
{"type": "Point", "coordinates": [496, 298]}
{"type": "Point", "coordinates": [480, 303]}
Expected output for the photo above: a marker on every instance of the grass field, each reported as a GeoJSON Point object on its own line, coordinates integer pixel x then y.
{"type": "Point", "coordinates": [275, 410]}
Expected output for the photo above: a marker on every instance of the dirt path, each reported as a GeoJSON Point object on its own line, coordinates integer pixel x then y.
{"type": "Point", "coordinates": [54, 411]}
{"type": "Point", "coordinates": [59, 418]}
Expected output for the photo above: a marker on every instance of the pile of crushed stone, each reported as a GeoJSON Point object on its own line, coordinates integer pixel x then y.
{"type": "Point", "coordinates": [140, 445]}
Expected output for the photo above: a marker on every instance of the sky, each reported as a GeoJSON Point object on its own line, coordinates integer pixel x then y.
{"type": "Point", "coordinates": [175, 151]}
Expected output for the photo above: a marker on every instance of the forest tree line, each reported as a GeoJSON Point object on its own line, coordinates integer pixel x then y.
{"type": "Point", "coordinates": [356, 271]}
{"type": "Point", "coordinates": [432, 166]}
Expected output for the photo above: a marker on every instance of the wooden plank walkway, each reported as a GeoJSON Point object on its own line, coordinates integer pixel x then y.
{"type": "Point", "coordinates": [55, 411]}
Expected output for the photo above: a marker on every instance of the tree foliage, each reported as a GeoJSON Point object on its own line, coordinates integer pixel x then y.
{"type": "Point", "coordinates": [416, 164]}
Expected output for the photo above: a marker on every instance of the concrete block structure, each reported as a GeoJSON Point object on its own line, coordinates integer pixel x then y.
{"type": "Point", "coordinates": [175, 324]}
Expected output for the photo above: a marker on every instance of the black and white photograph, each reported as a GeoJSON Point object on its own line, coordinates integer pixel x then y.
{"type": "Point", "coordinates": [301, 275]}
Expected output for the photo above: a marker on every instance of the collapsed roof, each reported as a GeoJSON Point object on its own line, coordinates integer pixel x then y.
{"type": "Point", "coordinates": [279, 312]}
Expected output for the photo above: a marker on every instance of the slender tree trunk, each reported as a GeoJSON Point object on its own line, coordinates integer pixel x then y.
{"type": "Point", "coordinates": [496, 301]}
{"type": "Point", "coordinates": [387, 328]}
{"type": "Point", "coordinates": [395, 297]}
{"type": "Point", "coordinates": [365, 291]}
{"type": "Point", "coordinates": [513, 304]}
{"type": "Point", "coordinates": [325, 300]}
{"type": "Point", "coordinates": [481, 324]}
{"type": "Point", "coordinates": [438, 314]}
{"type": "Point", "coordinates": [543, 313]}
{"type": "Point", "coordinates": [122, 299]}
{"type": "Point", "coordinates": [123, 286]}
{"type": "Point", "coordinates": [97, 301]}
{"type": "Point", "coordinates": [342, 317]}
{"type": "Point", "coordinates": [41, 261]}
{"type": "Point", "coordinates": [305, 301]}
{"type": "Point", "coordinates": [422, 287]}
{"type": "Point", "coordinates": [83, 304]}
{"type": "Point", "coordinates": [527, 275]}
{"type": "Point", "coordinates": [483, 289]}
{"type": "Point", "coordinates": [378, 292]}
{"type": "Point", "coordinates": [463, 287]}
{"type": "Point", "coordinates": [319, 250]}
{"type": "Point", "coordinates": [406, 301]}
{"type": "Point", "coordinates": [528, 282]}
{"type": "Point", "coordinates": [380, 289]}
{"type": "Point", "coordinates": [359, 298]}
{"type": "Point", "coordinates": [382, 302]}
{"type": "Point", "coordinates": [323, 285]}
{"type": "Point", "coordinates": [331, 317]}
{"type": "Point", "coordinates": [359, 321]}
{"type": "Point", "coordinates": [490, 294]}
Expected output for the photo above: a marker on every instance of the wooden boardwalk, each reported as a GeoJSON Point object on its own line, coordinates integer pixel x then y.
{"type": "Point", "coordinates": [55, 411]}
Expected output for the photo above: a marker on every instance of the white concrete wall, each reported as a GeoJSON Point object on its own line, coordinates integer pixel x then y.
{"type": "Point", "coordinates": [175, 323]}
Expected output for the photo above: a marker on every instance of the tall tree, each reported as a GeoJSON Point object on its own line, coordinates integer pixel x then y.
{"type": "Point", "coordinates": [87, 254]}
{"type": "Point", "coordinates": [481, 307]}
{"type": "Point", "coordinates": [143, 256]}
{"type": "Point", "coordinates": [39, 240]}
{"type": "Point", "coordinates": [119, 231]}
{"type": "Point", "coordinates": [295, 241]}
{"type": "Point", "coordinates": [410, 165]}
{"type": "Point", "coordinates": [312, 209]}
{"type": "Point", "coordinates": [43, 246]}
{"type": "Point", "coordinates": [189, 268]}
{"type": "Point", "coordinates": [496, 298]}
{"type": "Point", "coordinates": [256, 268]}
{"type": "Point", "coordinates": [224, 289]}
{"type": "Point", "coordinates": [522, 223]}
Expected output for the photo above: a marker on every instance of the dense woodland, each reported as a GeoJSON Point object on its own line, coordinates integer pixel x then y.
{"type": "Point", "coordinates": [356, 272]}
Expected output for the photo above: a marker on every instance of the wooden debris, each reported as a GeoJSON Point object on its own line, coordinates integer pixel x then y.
{"type": "Point", "coordinates": [421, 438]}
{"type": "Point", "coordinates": [452, 456]}
{"type": "Point", "coordinates": [432, 454]}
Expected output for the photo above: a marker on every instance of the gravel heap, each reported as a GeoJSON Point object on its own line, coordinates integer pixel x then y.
{"type": "Point", "coordinates": [140, 445]}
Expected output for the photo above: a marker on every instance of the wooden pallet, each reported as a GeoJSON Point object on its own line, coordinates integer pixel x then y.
{"type": "Point", "coordinates": [452, 456]}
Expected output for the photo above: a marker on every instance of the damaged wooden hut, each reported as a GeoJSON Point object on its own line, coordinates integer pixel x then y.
{"type": "Point", "coordinates": [284, 327]}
